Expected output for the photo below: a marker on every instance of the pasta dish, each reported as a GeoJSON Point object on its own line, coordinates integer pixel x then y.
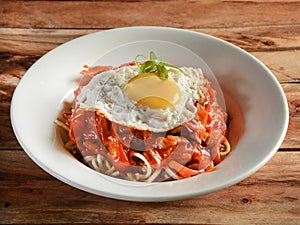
{"type": "Point", "coordinates": [146, 121]}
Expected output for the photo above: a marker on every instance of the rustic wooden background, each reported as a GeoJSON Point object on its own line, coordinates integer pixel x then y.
{"type": "Point", "coordinates": [268, 29]}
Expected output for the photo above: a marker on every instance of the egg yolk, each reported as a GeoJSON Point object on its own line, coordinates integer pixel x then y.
{"type": "Point", "coordinates": [148, 89]}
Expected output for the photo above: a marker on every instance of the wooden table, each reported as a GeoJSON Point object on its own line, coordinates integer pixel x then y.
{"type": "Point", "coordinates": [270, 30]}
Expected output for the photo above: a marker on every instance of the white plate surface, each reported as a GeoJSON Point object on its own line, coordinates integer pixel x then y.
{"type": "Point", "coordinates": [40, 95]}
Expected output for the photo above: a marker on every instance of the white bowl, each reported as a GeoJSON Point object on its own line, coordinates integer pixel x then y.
{"type": "Point", "coordinates": [40, 95]}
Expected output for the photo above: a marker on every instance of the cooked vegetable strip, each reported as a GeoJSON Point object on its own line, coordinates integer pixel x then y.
{"type": "Point", "coordinates": [182, 170]}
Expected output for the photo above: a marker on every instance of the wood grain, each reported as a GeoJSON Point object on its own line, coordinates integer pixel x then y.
{"type": "Point", "coordinates": [268, 29]}
{"type": "Point", "coordinates": [263, 38]}
{"type": "Point", "coordinates": [250, 201]}
{"type": "Point", "coordinates": [109, 14]}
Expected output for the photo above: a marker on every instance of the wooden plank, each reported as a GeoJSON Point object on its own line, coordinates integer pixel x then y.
{"type": "Point", "coordinates": [21, 47]}
{"type": "Point", "coordinates": [39, 41]}
{"type": "Point", "coordinates": [32, 42]}
{"type": "Point", "coordinates": [7, 137]}
{"type": "Point", "coordinates": [259, 38]}
{"type": "Point", "coordinates": [284, 64]}
{"type": "Point", "coordinates": [269, 196]}
{"type": "Point", "coordinates": [259, 1]}
{"type": "Point", "coordinates": [19, 51]}
{"type": "Point", "coordinates": [12, 69]}
{"type": "Point", "coordinates": [292, 139]}
{"type": "Point", "coordinates": [108, 14]}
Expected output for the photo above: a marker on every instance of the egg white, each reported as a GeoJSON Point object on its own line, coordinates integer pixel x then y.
{"type": "Point", "coordinates": [104, 93]}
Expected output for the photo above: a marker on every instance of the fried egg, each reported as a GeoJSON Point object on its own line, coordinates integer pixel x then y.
{"type": "Point", "coordinates": [144, 101]}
